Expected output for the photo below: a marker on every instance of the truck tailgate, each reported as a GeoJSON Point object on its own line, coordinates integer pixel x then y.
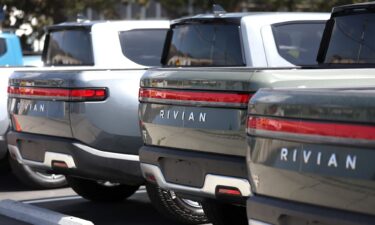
{"type": "Point", "coordinates": [198, 110]}
{"type": "Point", "coordinates": [45, 112]}
{"type": "Point", "coordinates": [314, 146]}
{"type": "Point", "coordinates": [92, 106]}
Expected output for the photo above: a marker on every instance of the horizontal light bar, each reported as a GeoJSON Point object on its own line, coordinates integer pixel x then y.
{"type": "Point", "coordinates": [64, 94]}
{"type": "Point", "coordinates": [340, 130]}
{"type": "Point", "coordinates": [213, 97]}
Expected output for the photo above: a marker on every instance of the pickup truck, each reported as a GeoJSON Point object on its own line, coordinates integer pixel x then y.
{"type": "Point", "coordinates": [311, 156]}
{"type": "Point", "coordinates": [193, 109]}
{"type": "Point", "coordinates": [68, 117]}
{"type": "Point", "coordinates": [311, 151]}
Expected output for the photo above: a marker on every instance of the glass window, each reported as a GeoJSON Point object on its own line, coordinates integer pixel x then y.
{"type": "Point", "coordinates": [144, 47]}
{"type": "Point", "coordinates": [352, 40]}
{"type": "Point", "coordinates": [205, 45]}
{"type": "Point", "coordinates": [69, 47]}
{"type": "Point", "coordinates": [299, 43]}
{"type": "Point", "coordinates": [3, 46]}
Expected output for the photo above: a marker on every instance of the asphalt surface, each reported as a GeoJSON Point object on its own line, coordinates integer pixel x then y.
{"type": "Point", "coordinates": [137, 210]}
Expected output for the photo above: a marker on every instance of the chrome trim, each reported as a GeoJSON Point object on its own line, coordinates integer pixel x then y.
{"type": "Point", "coordinates": [48, 158]}
{"type": "Point", "coordinates": [257, 222]}
{"type": "Point", "coordinates": [209, 187]}
{"type": "Point", "coordinates": [103, 154]}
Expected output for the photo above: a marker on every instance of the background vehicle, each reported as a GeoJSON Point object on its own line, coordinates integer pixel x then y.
{"type": "Point", "coordinates": [10, 50]}
{"type": "Point", "coordinates": [316, 145]}
{"type": "Point", "coordinates": [82, 121]}
{"type": "Point", "coordinates": [193, 111]}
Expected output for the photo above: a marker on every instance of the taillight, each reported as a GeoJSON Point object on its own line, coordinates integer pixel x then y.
{"type": "Point", "coordinates": [182, 96]}
{"type": "Point", "coordinates": [306, 127]}
{"type": "Point", "coordinates": [59, 94]}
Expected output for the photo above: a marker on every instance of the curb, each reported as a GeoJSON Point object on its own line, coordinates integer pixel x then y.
{"type": "Point", "coordinates": [38, 216]}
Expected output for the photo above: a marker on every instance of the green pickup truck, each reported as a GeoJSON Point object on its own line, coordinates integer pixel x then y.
{"type": "Point", "coordinates": [193, 120]}
{"type": "Point", "coordinates": [310, 156]}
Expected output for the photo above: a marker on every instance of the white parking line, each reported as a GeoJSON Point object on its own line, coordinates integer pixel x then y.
{"type": "Point", "coordinates": [66, 198]}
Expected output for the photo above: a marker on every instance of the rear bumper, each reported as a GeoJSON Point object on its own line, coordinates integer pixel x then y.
{"type": "Point", "coordinates": [267, 211]}
{"type": "Point", "coordinates": [46, 152]}
{"type": "Point", "coordinates": [194, 173]}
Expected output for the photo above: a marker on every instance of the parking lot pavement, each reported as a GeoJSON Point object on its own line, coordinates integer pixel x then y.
{"type": "Point", "coordinates": [137, 210]}
{"type": "Point", "coordinates": [8, 221]}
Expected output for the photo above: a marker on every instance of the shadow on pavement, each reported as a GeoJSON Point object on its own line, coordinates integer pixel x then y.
{"type": "Point", "coordinates": [12, 183]}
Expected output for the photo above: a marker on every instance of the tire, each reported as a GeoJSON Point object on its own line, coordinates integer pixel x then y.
{"type": "Point", "coordinates": [4, 165]}
{"type": "Point", "coordinates": [101, 192]}
{"type": "Point", "coordinates": [220, 213]}
{"type": "Point", "coordinates": [176, 208]}
{"type": "Point", "coordinates": [34, 178]}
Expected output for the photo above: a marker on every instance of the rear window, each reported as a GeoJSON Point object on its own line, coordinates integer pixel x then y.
{"type": "Point", "coordinates": [352, 40]}
{"type": "Point", "coordinates": [205, 45]}
{"type": "Point", "coordinates": [143, 46]}
{"type": "Point", "coordinates": [69, 47]}
{"type": "Point", "coordinates": [299, 43]}
{"type": "Point", "coordinates": [3, 46]}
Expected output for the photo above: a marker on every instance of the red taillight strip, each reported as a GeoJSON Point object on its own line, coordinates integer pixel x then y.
{"type": "Point", "coordinates": [58, 93]}
{"type": "Point", "coordinates": [213, 97]}
{"type": "Point", "coordinates": [339, 130]}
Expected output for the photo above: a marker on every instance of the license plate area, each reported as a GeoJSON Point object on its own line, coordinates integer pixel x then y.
{"type": "Point", "coordinates": [183, 172]}
{"type": "Point", "coordinates": [31, 150]}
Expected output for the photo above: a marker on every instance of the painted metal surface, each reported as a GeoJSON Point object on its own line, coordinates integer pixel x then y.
{"type": "Point", "coordinates": [317, 145]}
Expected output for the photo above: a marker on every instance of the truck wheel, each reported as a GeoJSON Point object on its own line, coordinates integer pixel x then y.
{"type": "Point", "coordinates": [101, 191]}
{"type": "Point", "coordinates": [176, 208]}
{"type": "Point", "coordinates": [34, 178]}
{"type": "Point", "coordinates": [224, 214]}
{"type": "Point", "coordinates": [4, 165]}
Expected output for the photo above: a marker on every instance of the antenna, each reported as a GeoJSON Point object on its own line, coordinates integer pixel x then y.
{"type": "Point", "coordinates": [218, 10]}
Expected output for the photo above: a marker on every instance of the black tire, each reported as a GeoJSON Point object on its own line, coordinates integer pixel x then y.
{"type": "Point", "coordinates": [4, 165]}
{"type": "Point", "coordinates": [35, 178]}
{"type": "Point", "coordinates": [174, 207]}
{"type": "Point", "coordinates": [100, 192]}
{"type": "Point", "coordinates": [220, 213]}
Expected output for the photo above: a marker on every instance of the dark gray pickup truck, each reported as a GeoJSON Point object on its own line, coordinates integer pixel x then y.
{"type": "Point", "coordinates": [193, 120]}
{"type": "Point", "coordinates": [311, 156]}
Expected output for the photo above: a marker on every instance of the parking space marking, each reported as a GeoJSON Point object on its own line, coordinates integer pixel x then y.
{"type": "Point", "coordinates": [67, 198]}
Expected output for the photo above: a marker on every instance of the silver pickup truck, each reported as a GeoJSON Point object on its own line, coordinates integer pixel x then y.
{"type": "Point", "coordinates": [193, 110]}
{"type": "Point", "coordinates": [194, 119]}
{"type": "Point", "coordinates": [78, 115]}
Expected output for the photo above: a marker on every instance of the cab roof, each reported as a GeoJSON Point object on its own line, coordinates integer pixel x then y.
{"type": "Point", "coordinates": [237, 17]}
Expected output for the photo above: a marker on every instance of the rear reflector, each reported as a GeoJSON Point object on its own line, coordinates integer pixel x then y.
{"type": "Point", "coordinates": [228, 191]}
{"type": "Point", "coordinates": [93, 94]}
{"type": "Point", "coordinates": [59, 164]}
{"type": "Point", "coordinates": [340, 130]}
{"type": "Point", "coordinates": [16, 124]}
{"type": "Point", "coordinates": [212, 97]}
{"type": "Point", "coordinates": [150, 177]}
